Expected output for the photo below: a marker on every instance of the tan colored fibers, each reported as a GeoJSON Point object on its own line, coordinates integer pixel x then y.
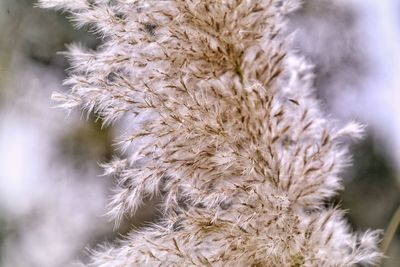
{"type": "Point", "coordinates": [225, 127]}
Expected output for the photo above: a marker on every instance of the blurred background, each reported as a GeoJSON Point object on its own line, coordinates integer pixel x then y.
{"type": "Point", "coordinates": [52, 195]}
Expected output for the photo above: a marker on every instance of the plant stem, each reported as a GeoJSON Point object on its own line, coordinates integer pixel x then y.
{"type": "Point", "coordinates": [391, 230]}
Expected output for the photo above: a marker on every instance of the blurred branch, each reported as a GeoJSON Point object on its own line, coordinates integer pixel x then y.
{"type": "Point", "coordinates": [391, 230]}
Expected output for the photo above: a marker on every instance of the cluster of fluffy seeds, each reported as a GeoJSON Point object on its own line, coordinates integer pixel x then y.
{"type": "Point", "coordinates": [226, 130]}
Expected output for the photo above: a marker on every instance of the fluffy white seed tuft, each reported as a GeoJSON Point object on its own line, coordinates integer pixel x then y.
{"type": "Point", "coordinates": [226, 129]}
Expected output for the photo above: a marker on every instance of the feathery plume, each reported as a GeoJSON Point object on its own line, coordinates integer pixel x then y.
{"type": "Point", "coordinates": [226, 129]}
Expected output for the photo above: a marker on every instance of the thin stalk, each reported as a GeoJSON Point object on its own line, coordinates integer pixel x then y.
{"type": "Point", "coordinates": [391, 231]}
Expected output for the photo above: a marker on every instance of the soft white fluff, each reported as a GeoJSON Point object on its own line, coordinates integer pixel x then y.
{"type": "Point", "coordinates": [227, 130]}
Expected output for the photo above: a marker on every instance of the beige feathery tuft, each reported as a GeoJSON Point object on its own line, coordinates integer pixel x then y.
{"type": "Point", "coordinates": [227, 131]}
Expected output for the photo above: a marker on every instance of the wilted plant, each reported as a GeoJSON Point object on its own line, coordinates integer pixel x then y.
{"type": "Point", "coordinates": [226, 130]}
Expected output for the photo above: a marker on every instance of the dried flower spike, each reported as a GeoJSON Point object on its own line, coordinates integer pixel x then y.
{"type": "Point", "coordinates": [225, 128]}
